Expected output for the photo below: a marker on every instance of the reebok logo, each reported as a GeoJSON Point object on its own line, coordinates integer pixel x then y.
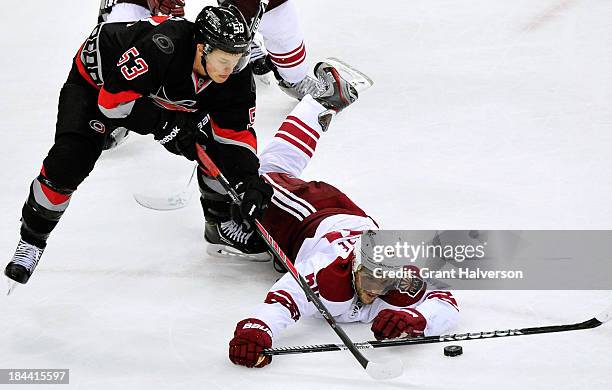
{"type": "Point", "coordinates": [170, 136]}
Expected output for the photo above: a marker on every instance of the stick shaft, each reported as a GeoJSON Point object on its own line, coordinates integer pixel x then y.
{"type": "Point", "coordinates": [589, 324]}
{"type": "Point", "coordinates": [214, 171]}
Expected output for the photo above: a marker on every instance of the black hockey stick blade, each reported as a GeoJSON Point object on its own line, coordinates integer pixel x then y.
{"type": "Point", "coordinates": [594, 322]}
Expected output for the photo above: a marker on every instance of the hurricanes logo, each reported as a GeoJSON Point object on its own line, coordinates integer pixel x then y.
{"type": "Point", "coordinates": [97, 126]}
{"type": "Point", "coordinates": [164, 43]}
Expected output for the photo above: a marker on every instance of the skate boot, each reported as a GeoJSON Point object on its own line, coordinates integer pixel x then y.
{"type": "Point", "coordinates": [338, 95]}
{"type": "Point", "coordinates": [23, 263]}
{"type": "Point", "coordinates": [307, 85]}
{"type": "Point", "coordinates": [230, 239]}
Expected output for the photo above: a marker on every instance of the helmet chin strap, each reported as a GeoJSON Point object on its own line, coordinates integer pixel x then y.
{"type": "Point", "coordinates": [203, 62]}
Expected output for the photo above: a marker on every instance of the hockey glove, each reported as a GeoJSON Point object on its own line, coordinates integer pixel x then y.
{"type": "Point", "coordinates": [391, 324]}
{"type": "Point", "coordinates": [256, 195]}
{"type": "Point", "coordinates": [251, 337]}
{"type": "Point", "coordinates": [180, 131]}
{"type": "Point", "coordinates": [167, 7]}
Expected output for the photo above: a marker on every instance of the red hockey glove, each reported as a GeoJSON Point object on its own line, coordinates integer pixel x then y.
{"type": "Point", "coordinates": [167, 7]}
{"type": "Point", "coordinates": [390, 324]}
{"type": "Point", "coordinates": [251, 337]}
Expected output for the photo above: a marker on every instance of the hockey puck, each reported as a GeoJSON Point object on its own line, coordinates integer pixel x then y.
{"type": "Point", "coordinates": [453, 350]}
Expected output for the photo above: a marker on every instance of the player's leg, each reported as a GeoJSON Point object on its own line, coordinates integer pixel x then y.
{"type": "Point", "coordinates": [78, 143]}
{"type": "Point", "coordinates": [296, 140]}
{"type": "Point", "coordinates": [284, 42]}
{"type": "Point", "coordinates": [128, 11]}
{"type": "Point", "coordinates": [223, 235]}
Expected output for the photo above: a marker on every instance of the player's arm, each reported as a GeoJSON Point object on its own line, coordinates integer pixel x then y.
{"type": "Point", "coordinates": [286, 303]}
{"type": "Point", "coordinates": [140, 69]}
{"type": "Point", "coordinates": [404, 314]}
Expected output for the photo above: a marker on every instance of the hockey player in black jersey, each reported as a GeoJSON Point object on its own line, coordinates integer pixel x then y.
{"type": "Point", "coordinates": [181, 82]}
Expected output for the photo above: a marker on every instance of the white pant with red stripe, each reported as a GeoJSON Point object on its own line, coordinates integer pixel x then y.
{"type": "Point", "coordinates": [284, 41]}
{"type": "Point", "coordinates": [295, 141]}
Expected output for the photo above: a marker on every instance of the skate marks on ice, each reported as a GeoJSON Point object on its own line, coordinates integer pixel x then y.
{"type": "Point", "coordinates": [554, 11]}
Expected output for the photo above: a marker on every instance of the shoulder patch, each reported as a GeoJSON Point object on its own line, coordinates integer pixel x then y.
{"type": "Point", "coordinates": [164, 43]}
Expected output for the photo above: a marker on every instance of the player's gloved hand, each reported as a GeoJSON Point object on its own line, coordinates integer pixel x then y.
{"type": "Point", "coordinates": [179, 132]}
{"type": "Point", "coordinates": [390, 324]}
{"type": "Point", "coordinates": [256, 196]}
{"type": "Point", "coordinates": [167, 7]}
{"type": "Point", "coordinates": [251, 337]}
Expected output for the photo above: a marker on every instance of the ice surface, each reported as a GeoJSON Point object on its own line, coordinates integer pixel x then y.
{"type": "Point", "coordinates": [484, 114]}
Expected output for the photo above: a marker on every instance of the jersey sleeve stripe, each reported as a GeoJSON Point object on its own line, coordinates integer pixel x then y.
{"type": "Point", "coordinates": [81, 68]}
{"type": "Point", "coordinates": [110, 100]}
{"type": "Point", "coordinates": [244, 138]}
{"type": "Point", "coordinates": [285, 299]}
{"type": "Point", "coordinates": [444, 296]}
{"type": "Point", "coordinates": [117, 105]}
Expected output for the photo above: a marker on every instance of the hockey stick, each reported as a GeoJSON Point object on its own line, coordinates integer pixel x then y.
{"type": "Point", "coordinates": [105, 7]}
{"type": "Point", "coordinates": [263, 4]}
{"type": "Point", "coordinates": [594, 322]}
{"type": "Point", "coordinates": [169, 202]}
{"type": "Point", "coordinates": [375, 370]}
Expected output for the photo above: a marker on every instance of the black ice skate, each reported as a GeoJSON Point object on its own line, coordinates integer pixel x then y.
{"type": "Point", "coordinates": [339, 94]}
{"type": "Point", "coordinates": [23, 263]}
{"type": "Point", "coordinates": [229, 239]}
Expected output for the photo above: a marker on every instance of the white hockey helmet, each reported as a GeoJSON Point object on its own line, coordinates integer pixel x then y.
{"type": "Point", "coordinates": [370, 275]}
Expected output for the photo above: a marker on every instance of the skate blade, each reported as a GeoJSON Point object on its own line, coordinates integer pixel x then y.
{"type": "Point", "coordinates": [224, 251]}
{"type": "Point", "coordinates": [359, 80]}
{"type": "Point", "coordinates": [11, 286]}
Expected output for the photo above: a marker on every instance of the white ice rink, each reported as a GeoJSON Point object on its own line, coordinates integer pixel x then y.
{"type": "Point", "coordinates": [484, 115]}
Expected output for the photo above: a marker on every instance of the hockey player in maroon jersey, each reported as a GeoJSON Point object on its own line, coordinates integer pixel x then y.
{"type": "Point", "coordinates": [319, 227]}
{"type": "Point", "coordinates": [178, 80]}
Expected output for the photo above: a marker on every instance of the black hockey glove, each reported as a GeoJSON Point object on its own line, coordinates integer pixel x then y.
{"type": "Point", "coordinates": [180, 131]}
{"type": "Point", "coordinates": [256, 195]}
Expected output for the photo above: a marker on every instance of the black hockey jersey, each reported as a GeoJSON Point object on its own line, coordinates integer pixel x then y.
{"type": "Point", "coordinates": [145, 67]}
